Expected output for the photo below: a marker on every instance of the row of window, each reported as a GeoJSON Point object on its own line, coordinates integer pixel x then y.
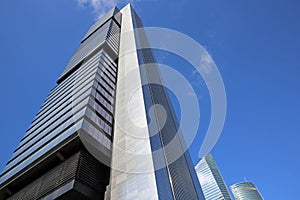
{"type": "Point", "coordinates": [64, 107]}
{"type": "Point", "coordinates": [86, 72]}
{"type": "Point", "coordinates": [87, 47]}
{"type": "Point", "coordinates": [50, 120]}
{"type": "Point", "coordinates": [50, 115]}
{"type": "Point", "coordinates": [81, 72]}
{"type": "Point", "coordinates": [49, 134]}
{"type": "Point", "coordinates": [68, 131]}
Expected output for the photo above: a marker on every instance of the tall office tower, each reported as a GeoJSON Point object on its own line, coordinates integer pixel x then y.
{"type": "Point", "coordinates": [245, 191]}
{"type": "Point", "coordinates": [211, 181]}
{"type": "Point", "coordinates": [51, 160]}
{"type": "Point", "coordinates": [95, 138]}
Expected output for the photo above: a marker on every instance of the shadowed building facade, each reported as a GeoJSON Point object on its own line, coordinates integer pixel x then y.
{"type": "Point", "coordinates": [82, 145]}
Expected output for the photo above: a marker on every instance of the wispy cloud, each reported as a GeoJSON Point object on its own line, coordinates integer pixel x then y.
{"type": "Point", "coordinates": [99, 7]}
{"type": "Point", "coordinates": [206, 63]}
{"type": "Point", "coordinates": [205, 67]}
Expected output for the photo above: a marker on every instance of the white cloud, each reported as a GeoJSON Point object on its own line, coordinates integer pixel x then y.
{"type": "Point", "coordinates": [205, 67]}
{"type": "Point", "coordinates": [206, 63]}
{"type": "Point", "coordinates": [99, 7]}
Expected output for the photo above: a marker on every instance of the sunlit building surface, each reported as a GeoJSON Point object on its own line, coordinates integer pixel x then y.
{"type": "Point", "coordinates": [245, 191]}
{"type": "Point", "coordinates": [211, 181]}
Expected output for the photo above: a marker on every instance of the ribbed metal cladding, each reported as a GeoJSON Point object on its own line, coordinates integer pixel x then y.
{"type": "Point", "coordinates": [83, 101]}
{"type": "Point", "coordinates": [57, 117]}
{"type": "Point", "coordinates": [80, 167]}
{"type": "Point", "coordinates": [105, 30]}
{"type": "Point", "coordinates": [118, 17]}
{"type": "Point", "coordinates": [54, 178]}
{"type": "Point", "coordinates": [92, 43]}
{"type": "Point", "coordinates": [113, 36]}
{"type": "Point", "coordinates": [90, 171]}
{"type": "Point", "coordinates": [114, 12]}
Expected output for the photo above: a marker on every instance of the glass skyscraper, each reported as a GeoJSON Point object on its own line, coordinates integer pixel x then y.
{"type": "Point", "coordinates": [245, 191]}
{"type": "Point", "coordinates": [211, 181]}
{"type": "Point", "coordinates": [82, 144]}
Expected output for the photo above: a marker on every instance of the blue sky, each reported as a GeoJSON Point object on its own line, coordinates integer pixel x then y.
{"type": "Point", "coordinates": [255, 45]}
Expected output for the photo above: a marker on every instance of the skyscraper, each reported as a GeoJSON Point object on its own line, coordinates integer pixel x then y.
{"type": "Point", "coordinates": [245, 191]}
{"type": "Point", "coordinates": [83, 144]}
{"type": "Point", "coordinates": [211, 180]}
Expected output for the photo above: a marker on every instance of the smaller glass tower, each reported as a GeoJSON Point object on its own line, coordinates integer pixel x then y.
{"type": "Point", "coordinates": [245, 191]}
{"type": "Point", "coordinates": [211, 181]}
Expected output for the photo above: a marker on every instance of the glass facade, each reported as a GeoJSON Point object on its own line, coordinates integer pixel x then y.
{"type": "Point", "coordinates": [211, 180]}
{"type": "Point", "coordinates": [245, 191]}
